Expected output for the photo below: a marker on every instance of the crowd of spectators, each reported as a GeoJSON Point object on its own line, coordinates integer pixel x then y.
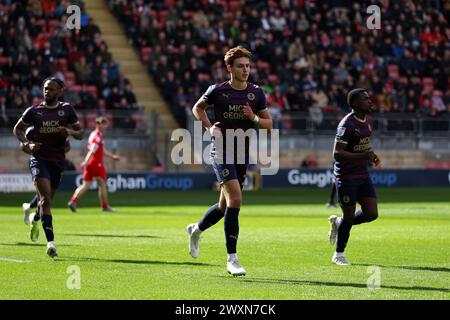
{"type": "Point", "coordinates": [36, 42]}
{"type": "Point", "coordinates": [307, 54]}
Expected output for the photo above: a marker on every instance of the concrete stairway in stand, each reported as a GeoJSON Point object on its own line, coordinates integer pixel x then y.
{"type": "Point", "coordinates": [131, 66]}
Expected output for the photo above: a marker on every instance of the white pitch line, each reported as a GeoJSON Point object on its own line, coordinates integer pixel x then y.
{"type": "Point", "coordinates": [14, 260]}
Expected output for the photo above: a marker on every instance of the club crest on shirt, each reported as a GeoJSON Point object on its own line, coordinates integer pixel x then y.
{"type": "Point", "coordinates": [346, 199]}
{"type": "Point", "coordinates": [35, 171]}
{"type": "Point", "coordinates": [225, 172]}
{"type": "Point", "coordinates": [61, 113]}
{"type": "Point", "coordinates": [251, 96]}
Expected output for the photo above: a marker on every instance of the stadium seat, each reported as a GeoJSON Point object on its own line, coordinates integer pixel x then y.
{"type": "Point", "coordinates": [139, 119]}
{"type": "Point", "coordinates": [287, 121]}
{"type": "Point", "coordinates": [4, 60]}
{"type": "Point", "coordinates": [90, 120]}
{"type": "Point", "coordinates": [81, 119]}
{"type": "Point", "coordinates": [428, 85]}
{"type": "Point", "coordinates": [52, 24]}
{"type": "Point", "coordinates": [102, 105]}
{"type": "Point", "coordinates": [273, 78]}
{"type": "Point", "coordinates": [145, 53]}
{"type": "Point", "coordinates": [69, 78]}
{"type": "Point", "coordinates": [234, 6]}
{"type": "Point", "coordinates": [92, 90]}
{"type": "Point", "coordinates": [158, 169]}
{"type": "Point", "coordinates": [75, 88]}
{"type": "Point", "coordinates": [110, 118]}
{"type": "Point", "coordinates": [43, 24]}
{"type": "Point", "coordinates": [393, 71]}
{"type": "Point", "coordinates": [61, 64]}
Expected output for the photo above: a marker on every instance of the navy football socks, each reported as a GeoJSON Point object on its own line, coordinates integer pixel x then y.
{"type": "Point", "coordinates": [48, 227]}
{"type": "Point", "coordinates": [34, 202]}
{"type": "Point", "coordinates": [231, 226]}
{"type": "Point", "coordinates": [37, 216]}
{"type": "Point", "coordinates": [359, 217]}
{"type": "Point", "coordinates": [343, 235]}
{"type": "Point", "coordinates": [211, 217]}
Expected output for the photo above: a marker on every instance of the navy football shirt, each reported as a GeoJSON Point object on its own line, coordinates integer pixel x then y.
{"type": "Point", "coordinates": [228, 104]}
{"type": "Point", "coordinates": [46, 122]}
{"type": "Point", "coordinates": [355, 133]}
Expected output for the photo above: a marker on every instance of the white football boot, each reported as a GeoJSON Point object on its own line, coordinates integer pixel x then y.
{"type": "Point", "coordinates": [194, 237]}
{"type": "Point", "coordinates": [234, 267]}
{"type": "Point", "coordinates": [339, 259]}
{"type": "Point", "coordinates": [51, 250]}
{"type": "Point", "coordinates": [34, 229]}
{"type": "Point", "coordinates": [26, 213]}
{"type": "Point", "coordinates": [335, 221]}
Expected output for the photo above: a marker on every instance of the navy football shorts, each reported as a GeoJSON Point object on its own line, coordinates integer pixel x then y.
{"type": "Point", "coordinates": [352, 190]}
{"type": "Point", "coordinates": [227, 171]}
{"type": "Point", "coordinates": [46, 169]}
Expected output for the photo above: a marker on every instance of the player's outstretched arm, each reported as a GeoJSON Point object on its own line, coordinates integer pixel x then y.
{"type": "Point", "coordinates": [89, 155]}
{"type": "Point", "coordinates": [111, 155]}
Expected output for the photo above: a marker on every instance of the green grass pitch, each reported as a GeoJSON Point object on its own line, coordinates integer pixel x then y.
{"type": "Point", "coordinates": [141, 251]}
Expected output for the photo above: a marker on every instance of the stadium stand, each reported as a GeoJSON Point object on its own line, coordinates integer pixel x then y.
{"type": "Point", "coordinates": [306, 54]}
{"type": "Point", "coordinates": [35, 43]}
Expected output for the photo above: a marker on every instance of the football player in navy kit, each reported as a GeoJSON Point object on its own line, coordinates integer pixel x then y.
{"type": "Point", "coordinates": [53, 122]}
{"type": "Point", "coordinates": [352, 156]}
{"type": "Point", "coordinates": [238, 104]}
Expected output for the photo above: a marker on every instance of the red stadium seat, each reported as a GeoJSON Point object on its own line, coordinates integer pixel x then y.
{"type": "Point", "coordinates": [92, 90]}
{"type": "Point", "coordinates": [139, 119]}
{"type": "Point", "coordinates": [110, 118]}
{"type": "Point", "coordinates": [102, 105]}
{"type": "Point", "coordinates": [61, 64]}
{"type": "Point", "coordinates": [52, 24]}
{"type": "Point", "coordinates": [273, 78]}
{"type": "Point", "coordinates": [69, 78]}
{"type": "Point", "coordinates": [81, 119]}
{"type": "Point", "coordinates": [43, 24]}
{"type": "Point", "coordinates": [202, 52]}
{"type": "Point", "coordinates": [4, 60]}
{"type": "Point", "coordinates": [90, 120]}
{"type": "Point", "coordinates": [145, 53]}
{"type": "Point", "coordinates": [158, 169]}
{"type": "Point", "coordinates": [287, 121]}
{"type": "Point", "coordinates": [428, 85]}
{"type": "Point", "coordinates": [234, 6]}
{"type": "Point", "coordinates": [75, 88]}
{"type": "Point", "coordinates": [393, 71]}
{"type": "Point", "coordinates": [163, 13]}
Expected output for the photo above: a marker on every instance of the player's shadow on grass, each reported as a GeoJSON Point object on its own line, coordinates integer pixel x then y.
{"type": "Point", "coordinates": [440, 269]}
{"type": "Point", "coordinates": [27, 244]}
{"type": "Point", "coordinates": [111, 235]}
{"type": "Point", "coordinates": [175, 263]}
{"type": "Point", "coordinates": [336, 284]}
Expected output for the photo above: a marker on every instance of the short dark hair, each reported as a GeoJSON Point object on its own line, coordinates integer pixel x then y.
{"type": "Point", "coordinates": [353, 94]}
{"type": "Point", "coordinates": [57, 80]}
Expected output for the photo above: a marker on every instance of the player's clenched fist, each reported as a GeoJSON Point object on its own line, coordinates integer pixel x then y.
{"type": "Point", "coordinates": [249, 112]}
{"type": "Point", "coordinates": [215, 130]}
